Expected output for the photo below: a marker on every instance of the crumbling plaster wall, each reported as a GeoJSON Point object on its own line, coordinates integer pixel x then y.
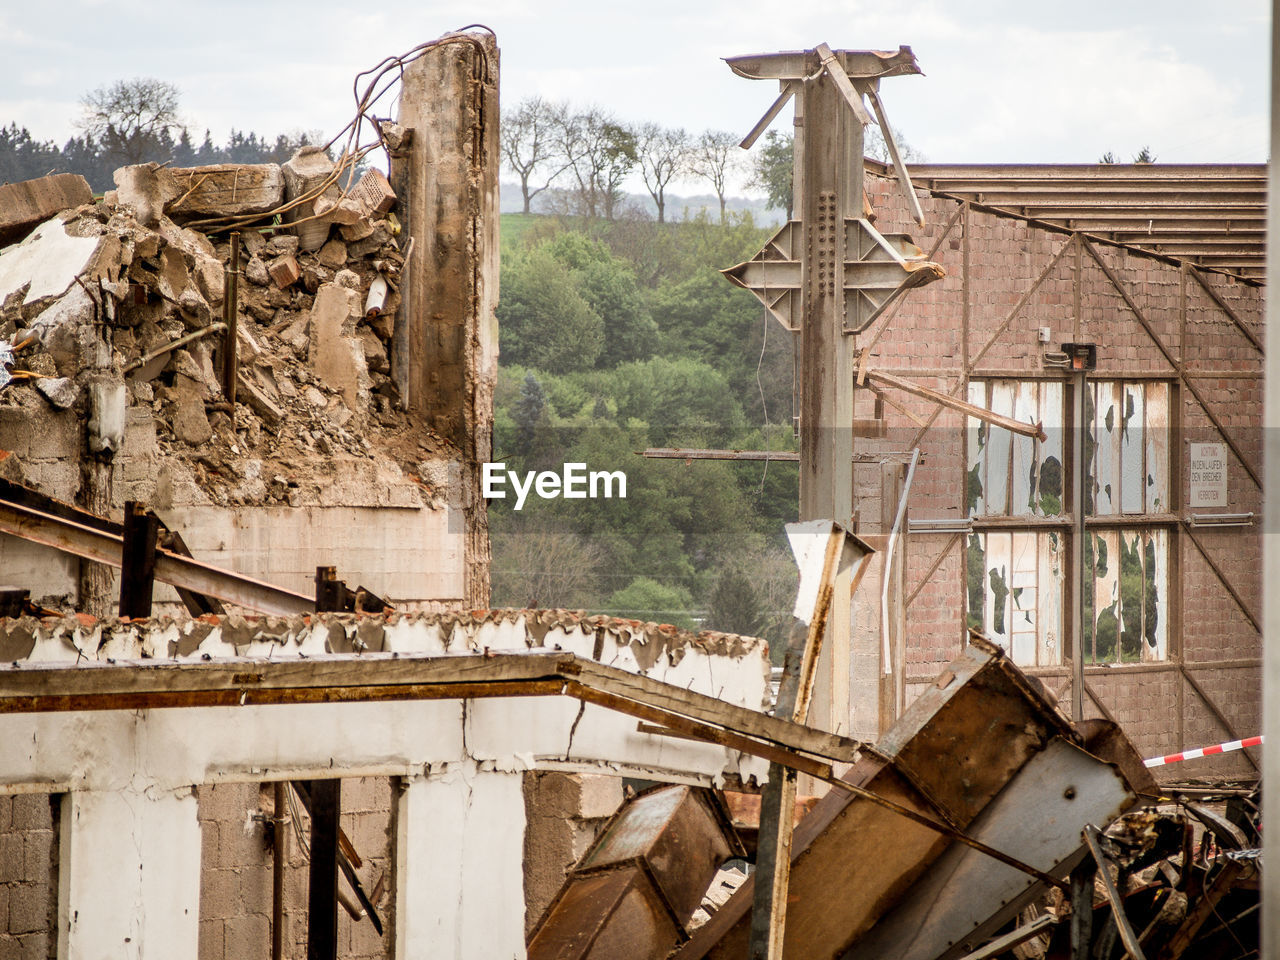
{"type": "Point", "coordinates": [925, 341]}
{"type": "Point", "coordinates": [459, 812]}
{"type": "Point", "coordinates": [315, 466]}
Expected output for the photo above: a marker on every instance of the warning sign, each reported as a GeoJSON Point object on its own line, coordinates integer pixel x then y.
{"type": "Point", "coordinates": [1208, 475]}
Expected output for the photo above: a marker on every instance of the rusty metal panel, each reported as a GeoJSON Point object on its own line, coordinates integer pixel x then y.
{"type": "Point", "coordinates": [965, 898]}
{"type": "Point", "coordinates": [952, 751]}
{"type": "Point", "coordinates": [679, 834]}
{"type": "Point", "coordinates": [631, 895]}
{"type": "Point", "coordinates": [606, 916]}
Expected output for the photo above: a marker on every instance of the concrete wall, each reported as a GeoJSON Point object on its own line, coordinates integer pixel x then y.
{"type": "Point", "coordinates": [928, 339]}
{"type": "Point", "coordinates": [378, 525]}
{"type": "Point", "coordinates": [28, 875]}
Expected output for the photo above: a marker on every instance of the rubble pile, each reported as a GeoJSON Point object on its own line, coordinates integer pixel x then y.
{"type": "Point", "coordinates": [117, 304]}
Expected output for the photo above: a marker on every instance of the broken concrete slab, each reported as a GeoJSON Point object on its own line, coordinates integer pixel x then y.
{"type": "Point", "coordinates": [190, 422]}
{"type": "Point", "coordinates": [305, 173]}
{"type": "Point", "coordinates": [227, 190]}
{"type": "Point", "coordinates": [62, 392]}
{"type": "Point", "coordinates": [47, 262]}
{"type": "Point", "coordinates": [146, 188]}
{"type": "Point", "coordinates": [343, 211]}
{"type": "Point", "coordinates": [255, 271]}
{"type": "Point", "coordinates": [108, 402]}
{"type": "Point", "coordinates": [335, 354]}
{"type": "Point", "coordinates": [69, 313]}
{"type": "Point", "coordinates": [28, 203]}
{"type": "Point", "coordinates": [333, 254]}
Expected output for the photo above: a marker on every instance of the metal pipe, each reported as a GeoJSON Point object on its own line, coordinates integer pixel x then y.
{"type": "Point", "coordinates": [230, 316]}
{"type": "Point", "coordinates": [172, 345]}
{"type": "Point", "coordinates": [280, 860]}
{"type": "Point", "coordinates": [886, 653]}
{"type": "Point", "coordinates": [171, 568]}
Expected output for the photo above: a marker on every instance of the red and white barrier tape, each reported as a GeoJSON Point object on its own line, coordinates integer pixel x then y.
{"type": "Point", "coordinates": [1204, 751]}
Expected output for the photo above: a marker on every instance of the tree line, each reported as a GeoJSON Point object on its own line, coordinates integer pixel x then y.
{"type": "Point", "coordinates": [128, 122]}
{"type": "Point", "coordinates": [587, 153]}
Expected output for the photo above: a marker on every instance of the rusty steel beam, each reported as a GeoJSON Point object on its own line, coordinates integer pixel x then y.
{"type": "Point", "coordinates": [798, 64]}
{"type": "Point", "coordinates": [1127, 936]}
{"type": "Point", "coordinates": [1033, 430]}
{"type": "Point", "coordinates": [193, 575]}
{"type": "Point", "coordinates": [129, 685]}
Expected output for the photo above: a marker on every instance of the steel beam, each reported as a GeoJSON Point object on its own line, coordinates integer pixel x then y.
{"type": "Point", "coordinates": [103, 547]}
{"type": "Point", "coordinates": [798, 64]}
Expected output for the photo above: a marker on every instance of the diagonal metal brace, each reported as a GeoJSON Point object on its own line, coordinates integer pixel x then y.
{"type": "Point", "coordinates": [904, 178]}
{"type": "Point", "coordinates": [841, 79]}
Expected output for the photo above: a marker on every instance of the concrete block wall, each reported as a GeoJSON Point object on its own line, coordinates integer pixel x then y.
{"type": "Point", "coordinates": [924, 340]}
{"type": "Point", "coordinates": [565, 812]}
{"type": "Point", "coordinates": [237, 861]}
{"type": "Point", "coordinates": [28, 876]}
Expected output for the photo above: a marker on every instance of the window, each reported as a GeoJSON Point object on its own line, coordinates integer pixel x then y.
{"type": "Point", "coordinates": [1016, 492]}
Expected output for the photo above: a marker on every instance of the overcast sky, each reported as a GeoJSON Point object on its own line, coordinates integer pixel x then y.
{"type": "Point", "coordinates": [1004, 81]}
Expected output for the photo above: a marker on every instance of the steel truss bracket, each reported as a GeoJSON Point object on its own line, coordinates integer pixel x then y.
{"type": "Point", "coordinates": [878, 269]}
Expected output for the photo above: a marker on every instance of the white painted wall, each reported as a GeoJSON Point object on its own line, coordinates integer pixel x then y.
{"type": "Point", "coordinates": [460, 883]}
{"type": "Point", "coordinates": [129, 878]}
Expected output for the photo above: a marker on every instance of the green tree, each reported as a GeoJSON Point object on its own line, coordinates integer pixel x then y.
{"type": "Point", "coordinates": [544, 320]}
{"type": "Point", "coordinates": [772, 171]}
{"type": "Point", "coordinates": [734, 605]}
{"type": "Point", "coordinates": [647, 599]}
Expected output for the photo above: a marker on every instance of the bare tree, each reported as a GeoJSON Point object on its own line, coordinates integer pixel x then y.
{"type": "Point", "coordinates": [529, 144]}
{"type": "Point", "coordinates": [600, 152]}
{"type": "Point", "coordinates": [537, 565]}
{"type": "Point", "coordinates": [663, 155]}
{"type": "Point", "coordinates": [132, 118]}
{"type": "Point", "coordinates": [713, 158]}
{"type": "Point", "coordinates": [873, 146]}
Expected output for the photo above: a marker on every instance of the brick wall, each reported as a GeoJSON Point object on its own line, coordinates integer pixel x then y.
{"type": "Point", "coordinates": [236, 871]}
{"type": "Point", "coordinates": [925, 338]}
{"type": "Point", "coordinates": [28, 876]}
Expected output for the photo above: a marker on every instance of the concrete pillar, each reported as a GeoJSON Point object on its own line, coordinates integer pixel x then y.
{"type": "Point", "coordinates": [450, 102]}
{"type": "Point", "coordinates": [460, 865]}
{"type": "Point", "coordinates": [129, 875]}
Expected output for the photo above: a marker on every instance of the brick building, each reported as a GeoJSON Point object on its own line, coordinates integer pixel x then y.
{"type": "Point", "coordinates": [1162, 268]}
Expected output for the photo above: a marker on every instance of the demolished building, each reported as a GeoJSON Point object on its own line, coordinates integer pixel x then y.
{"type": "Point", "coordinates": [451, 763]}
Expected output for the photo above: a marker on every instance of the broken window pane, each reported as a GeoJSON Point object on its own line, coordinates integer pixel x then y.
{"type": "Point", "coordinates": [1012, 475]}
{"type": "Point", "coordinates": [1129, 614]}
{"type": "Point", "coordinates": [1015, 579]}
{"type": "Point", "coordinates": [1014, 582]}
